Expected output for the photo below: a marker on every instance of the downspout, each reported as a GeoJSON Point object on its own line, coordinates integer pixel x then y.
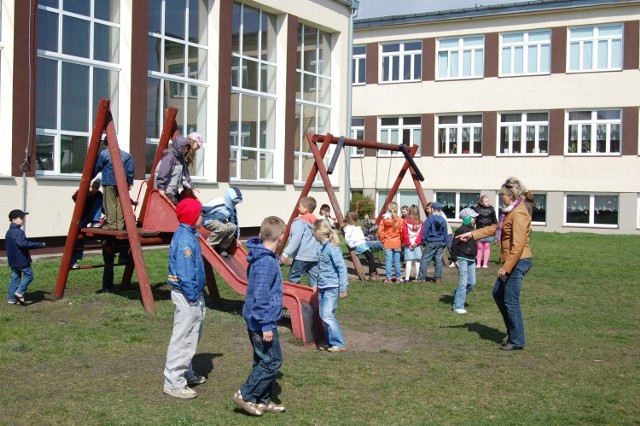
{"type": "Point", "coordinates": [347, 158]}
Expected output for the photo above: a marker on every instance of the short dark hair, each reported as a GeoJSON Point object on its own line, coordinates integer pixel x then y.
{"type": "Point", "coordinates": [309, 202]}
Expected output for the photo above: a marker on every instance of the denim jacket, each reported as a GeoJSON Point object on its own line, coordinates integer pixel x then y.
{"type": "Point", "coordinates": [186, 267]}
{"type": "Point", "coordinates": [105, 165]}
{"type": "Point", "coordinates": [332, 271]}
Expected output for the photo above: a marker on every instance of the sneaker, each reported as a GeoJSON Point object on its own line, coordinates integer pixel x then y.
{"type": "Point", "coordinates": [399, 280]}
{"type": "Point", "coordinates": [248, 406]}
{"type": "Point", "coordinates": [11, 302]}
{"type": "Point", "coordinates": [452, 265]}
{"type": "Point", "coordinates": [184, 393]}
{"type": "Point", "coordinates": [477, 266]}
{"type": "Point", "coordinates": [374, 277]}
{"type": "Point", "coordinates": [20, 298]}
{"type": "Point", "coordinates": [485, 266]}
{"type": "Point", "coordinates": [196, 380]}
{"type": "Point", "coordinates": [387, 281]}
{"type": "Point", "coordinates": [74, 265]}
{"type": "Point", "coordinates": [460, 311]}
{"type": "Point", "coordinates": [437, 281]}
{"type": "Point", "coordinates": [271, 407]}
{"type": "Point", "coordinates": [336, 349]}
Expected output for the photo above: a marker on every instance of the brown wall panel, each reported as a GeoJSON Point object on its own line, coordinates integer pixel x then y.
{"type": "Point", "coordinates": [489, 133]}
{"type": "Point", "coordinates": [631, 46]}
{"type": "Point", "coordinates": [24, 83]}
{"type": "Point", "coordinates": [429, 59]}
{"type": "Point", "coordinates": [491, 50]}
{"type": "Point", "coordinates": [556, 132]}
{"type": "Point", "coordinates": [630, 131]}
{"type": "Point", "coordinates": [224, 90]}
{"type": "Point", "coordinates": [139, 95]}
{"type": "Point", "coordinates": [290, 99]}
{"type": "Point", "coordinates": [559, 50]}
{"type": "Point", "coordinates": [372, 63]}
{"type": "Point", "coordinates": [428, 130]}
{"type": "Point", "coordinates": [370, 133]}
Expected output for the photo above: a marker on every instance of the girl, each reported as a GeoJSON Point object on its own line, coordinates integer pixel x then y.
{"type": "Point", "coordinates": [390, 233]}
{"type": "Point", "coordinates": [355, 239]}
{"type": "Point", "coordinates": [486, 217]}
{"type": "Point", "coordinates": [332, 283]}
{"type": "Point", "coordinates": [412, 238]}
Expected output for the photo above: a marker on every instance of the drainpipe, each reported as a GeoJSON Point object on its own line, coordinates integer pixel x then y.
{"type": "Point", "coordinates": [347, 158]}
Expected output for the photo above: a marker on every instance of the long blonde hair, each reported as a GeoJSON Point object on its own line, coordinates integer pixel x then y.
{"type": "Point", "coordinates": [322, 228]}
{"type": "Point", "coordinates": [393, 209]}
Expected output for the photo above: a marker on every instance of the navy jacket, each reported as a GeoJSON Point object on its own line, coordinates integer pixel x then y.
{"type": "Point", "coordinates": [104, 165]}
{"type": "Point", "coordinates": [186, 267]}
{"type": "Point", "coordinates": [263, 304]}
{"type": "Point", "coordinates": [465, 249]}
{"type": "Point", "coordinates": [434, 229]}
{"type": "Point", "coordinates": [18, 247]}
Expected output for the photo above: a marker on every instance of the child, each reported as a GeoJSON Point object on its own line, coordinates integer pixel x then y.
{"type": "Point", "coordinates": [90, 217]}
{"type": "Point", "coordinates": [486, 217]}
{"type": "Point", "coordinates": [303, 246]}
{"type": "Point", "coordinates": [172, 172]}
{"type": "Point", "coordinates": [404, 212]}
{"type": "Point", "coordinates": [354, 238]}
{"type": "Point", "coordinates": [325, 213]}
{"type": "Point", "coordinates": [221, 218]}
{"type": "Point", "coordinates": [434, 235]}
{"type": "Point", "coordinates": [18, 257]}
{"type": "Point", "coordinates": [412, 237]}
{"type": "Point", "coordinates": [111, 203]}
{"type": "Point", "coordinates": [261, 312]}
{"type": "Point", "coordinates": [463, 253]}
{"type": "Point", "coordinates": [370, 231]}
{"type": "Point", "coordinates": [186, 276]}
{"type": "Point", "coordinates": [332, 284]}
{"type": "Point", "coordinates": [390, 233]}
{"type": "Point", "coordinates": [449, 237]}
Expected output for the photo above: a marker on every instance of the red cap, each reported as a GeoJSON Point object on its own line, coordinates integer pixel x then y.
{"type": "Point", "coordinates": [188, 211]}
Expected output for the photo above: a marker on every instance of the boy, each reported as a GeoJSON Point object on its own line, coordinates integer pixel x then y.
{"type": "Point", "coordinates": [463, 254]}
{"type": "Point", "coordinates": [434, 232]}
{"type": "Point", "coordinates": [90, 217]}
{"type": "Point", "coordinates": [221, 218]}
{"type": "Point", "coordinates": [261, 312]}
{"type": "Point", "coordinates": [186, 275]}
{"type": "Point", "coordinates": [19, 257]}
{"type": "Point", "coordinates": [303, 246]}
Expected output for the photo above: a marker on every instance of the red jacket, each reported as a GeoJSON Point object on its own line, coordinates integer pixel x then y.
{"type": "Point", "coordinates": [411, 232]}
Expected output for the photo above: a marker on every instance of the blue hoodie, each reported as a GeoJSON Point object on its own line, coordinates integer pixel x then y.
{"type": "Point", "coordinates": [105, 165]}
{"type": "Point", "coordinates": [302, 243]}
{"type": "Point", "coordinates": [223, 209]}
{"type": "Point", "coordinates": [263, 304]}
{"type": "Point", "coordinates": [186, 267]}
{"type": "Point", "coordinates": [434, 229]}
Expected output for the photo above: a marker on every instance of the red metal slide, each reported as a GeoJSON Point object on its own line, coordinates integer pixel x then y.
{"type": "Point", "coordinates": [300, 300]}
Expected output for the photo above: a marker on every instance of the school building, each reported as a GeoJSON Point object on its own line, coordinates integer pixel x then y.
{"type": "Point", "coordinates": [546, 91]}
{"type": "Point", "coordinates": [251, 76]}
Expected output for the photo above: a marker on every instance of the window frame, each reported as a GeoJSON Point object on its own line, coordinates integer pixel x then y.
{"type": "Point", "coordinates": [595, 40]}
{"type": "Point", "coordinates": [526, 44]}
{"type": "Point", "coordinates": [414, 56]}
{"type": "Point", "coordinates": [523, 124]}
{"type": "Point", "coordinates": [536, 198]}
{"type": "Point", "coordinates": [401, 128]}
{"type": "Point", "coordinates": [458, 206]}
{"type": "Point", "coordinates": [459, 126]}
{"type": "Point", "coordinates": [358, 61]}
{"type": "Point", "coordinates": [356, 130]}
{"type": "Point", "coordinates": [459, 50]}
{"type": "Point", "coordinates": [592, 212]}
{"type": "Point", "coordinates": [594, 122]}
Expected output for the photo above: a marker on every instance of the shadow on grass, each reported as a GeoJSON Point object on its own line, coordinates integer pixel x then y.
{"type": "Point", "coordinates": [485, 332]}
{"type": "Point", "coordinates": [203, 363]}
{"type": "Point", "coordinates": [37, 296]}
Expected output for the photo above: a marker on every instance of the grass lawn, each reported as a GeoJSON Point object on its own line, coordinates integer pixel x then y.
{"type": "Point", "coordinates": [98, 358]}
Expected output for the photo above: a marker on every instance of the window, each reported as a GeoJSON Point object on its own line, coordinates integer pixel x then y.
{"type": "Point", "coordinates": [523, 133]}
{"type": "Point", "coordinates": [526, 53]}
{"type": "Point", "coordinates": [78, 56]}
{"type": "Point", "coordinates": [595, 48]}
{"type": "Point", "coordinates": [313, 97]}
{"type": "Point", "coordinates": [539, 215]}
{"type": "Point", "coordinates": [403, 198]}
{"type": "Point", "coordinates": [253, 94]}
{"type": "Point", "coordinates": [594, 132]}
{"type": "Point", "coordinates": [177, 71]}
{"type": "Point", "coordinates": [401, 61]}
{"type": "Point", "coordinates": [357, 132]}
{"type": "Point", "coordinates": [461, 57]}
{"type": "Point", "coordinates": [459, 134]}
{"type": "Point", "coordinates": [591, 210]}
{"type": "Point", "coordinates": [400, 130]}
{"type": "Point", "coordinates": [453, 202]}
{"type": "Point", "coordinates": [359, 65]}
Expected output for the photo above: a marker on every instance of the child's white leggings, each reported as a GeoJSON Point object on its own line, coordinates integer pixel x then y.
{"type": "Point", "coordinates": [408, 268]}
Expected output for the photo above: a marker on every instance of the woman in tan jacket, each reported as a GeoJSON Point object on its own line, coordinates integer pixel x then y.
{"type": "Point", "coordinates": [513, 231]}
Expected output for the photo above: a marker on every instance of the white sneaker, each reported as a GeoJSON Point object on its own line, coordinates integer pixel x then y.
{"type": "Point", "coordinates": [184, 393]}
{"type": "Point", "coordinates": [272, 407]}
{"type": "Point", "coordinates": [247, 406]}
{"type": "Point", "coordinates": [485, 266]}
{"type": "Point", "coordinates": [460, 311]}
{"type": "Point", "coordinates": [452, 265]}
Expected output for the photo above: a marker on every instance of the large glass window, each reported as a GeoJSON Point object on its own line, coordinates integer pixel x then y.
{"type": "Point", "coordinates": [359, 65]}
{"type": "Point", "coordinates": [526, 53]}
{"type": "Point", "coordinates": [78, 56]}
{"type": "Point", "coordinates": [253, 94]}
{"type": "Point", "coordinates": [400, 130]}
{"type": "Point", "coordinates": [523, 133]}
{"type": "Point", "coordinates": [313, 95]}
{"type": "Point", "coordinates": [177, 64]}
{"type": "Point", "coordinates": [591, 210]}
{"type": "Point", "coordinates": [357, 132]}
{"type": "Point", "coordinates": [594, 132]}
{"type": "Point", "coordinates": [539, 215]}
{"type": "Point", "coordinates": [459, 134]}
{"type": "Point", "coordinates": [597, 48]}
{"type": "Point", "coordinates": [461, 57]}
{"type": "Point", "coordinates": [403, 198]}
{"type": "Point", "coordinates": [453, 202]}
{"type": "Point", "coordinates": [401, 61]}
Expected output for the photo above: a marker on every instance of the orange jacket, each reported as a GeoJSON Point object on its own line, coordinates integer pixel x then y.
{"type": "Point", "coordinates": [390, 236]}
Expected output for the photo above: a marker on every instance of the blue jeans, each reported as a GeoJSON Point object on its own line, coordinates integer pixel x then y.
{"type": "Point", "coordinates": [267, 360]}
{"type": "Point", "coordinates": [18, 283]}
{"type": "Point", "coordinates": [299, 267]}
{"type": "Point", "coordinates": [375, 245]}
{"type": "Point", "coordinates": [433, 250]}
{"type": "Point", "coordinates": [392, 259]}
{"type": "Point", "coordinates": [506, 293]}
{"type": "Point", "coordinates": [466, 282]}
{"type": "Point", "coordinates": [328, 301]}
